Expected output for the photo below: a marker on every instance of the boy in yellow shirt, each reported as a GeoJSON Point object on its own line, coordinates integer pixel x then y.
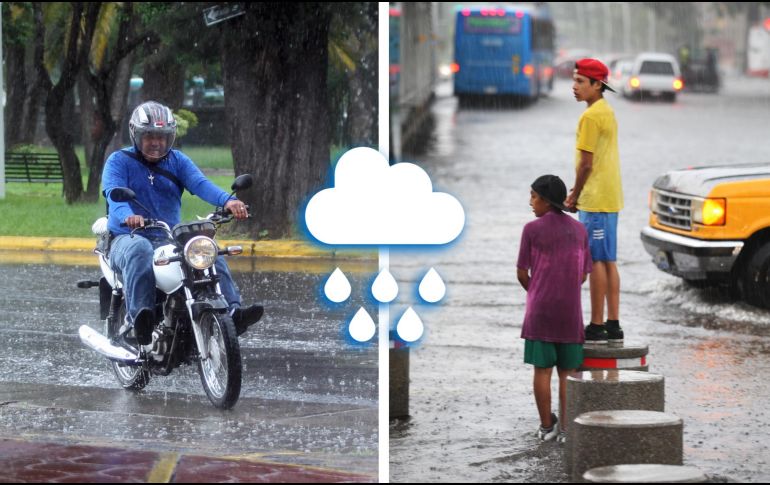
{"type": "Point", "coordinates": [598, 195]}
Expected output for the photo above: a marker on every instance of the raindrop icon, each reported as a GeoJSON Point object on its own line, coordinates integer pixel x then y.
{"type": "Point", "coordinates": [362, 327]}
{"type": "Point", "coordinates": [337, 287]}
{"type": "Point", "coordinates": [409, 326]}
{"type": "Point", "coordinates": [432, 287]}
{"type": "Point", "coordinates": [385, 288]}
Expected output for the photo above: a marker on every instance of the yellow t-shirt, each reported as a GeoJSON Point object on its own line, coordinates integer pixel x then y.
{"type": "Point", "coordinates": [597, 133]}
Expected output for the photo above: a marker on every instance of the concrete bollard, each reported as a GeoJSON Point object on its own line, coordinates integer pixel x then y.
{"type": "Point", "coordinates": [605, 390]}
{"type": "Point", "coordinates": [399, 381]}
{"type": "Point", "coordinates": [610, 356]}
{"type": "Point", "coordinates": [604, 438]}
{"type": "Point", "coordinates": [645, 474]}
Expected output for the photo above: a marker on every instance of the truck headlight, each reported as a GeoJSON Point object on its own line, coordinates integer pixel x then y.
{"type": "Point", "coordinates": [201, 252]}
{"type": "Point", "coordinates": [709, 212]}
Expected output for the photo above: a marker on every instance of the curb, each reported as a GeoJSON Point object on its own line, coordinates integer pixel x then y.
{"type": "Point", "coordinates": [265, 249]}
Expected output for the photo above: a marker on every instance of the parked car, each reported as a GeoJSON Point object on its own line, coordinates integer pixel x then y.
{"type": "Point", "coordinates": [711, 226]}
{"type": "Point", "coordinates": [654, 75]}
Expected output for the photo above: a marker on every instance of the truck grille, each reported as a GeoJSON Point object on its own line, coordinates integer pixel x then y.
{"type": "Point", "coordinates": [673, 210]}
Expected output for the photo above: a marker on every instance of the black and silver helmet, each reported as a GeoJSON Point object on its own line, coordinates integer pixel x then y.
{"type": "Point", "coordinates": [152, 117]}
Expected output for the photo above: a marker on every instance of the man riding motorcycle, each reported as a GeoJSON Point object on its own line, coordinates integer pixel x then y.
{"type": "Point", "coordinates": [158, 175]}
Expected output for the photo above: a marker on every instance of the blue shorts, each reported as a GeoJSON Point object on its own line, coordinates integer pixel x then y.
{"type": "Point", "coordinates": [602, 230]}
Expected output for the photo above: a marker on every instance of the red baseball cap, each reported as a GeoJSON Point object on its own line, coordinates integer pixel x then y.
{"type": "Point", "coordinates": [593, 69]}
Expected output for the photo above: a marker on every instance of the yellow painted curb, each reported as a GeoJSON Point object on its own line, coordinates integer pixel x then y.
{"type": "Point", "coordinates": [266, 249]}
{"type": "Point", "coordinates": [163, 470]}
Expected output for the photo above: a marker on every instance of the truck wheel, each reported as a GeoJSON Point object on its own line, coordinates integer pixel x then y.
{"type": "Point", "coordinates": [756, 277]}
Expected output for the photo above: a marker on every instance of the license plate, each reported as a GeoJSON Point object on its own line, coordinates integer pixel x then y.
{"type": "Point", "coordinates": [656, 93]}
{"type": "Point", "coordinates": [661, 261]}
{"type": "Point", "coordinates": [490, 90]}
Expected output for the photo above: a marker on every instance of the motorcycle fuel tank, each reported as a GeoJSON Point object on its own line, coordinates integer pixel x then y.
{"type": "Point", "coordinates": [169, 277]}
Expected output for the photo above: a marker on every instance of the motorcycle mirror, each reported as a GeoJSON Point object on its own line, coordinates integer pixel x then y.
{"type": "Point", "coordinates": [243, 182]}
{"type": "Point", "coordinates": [122, 194]}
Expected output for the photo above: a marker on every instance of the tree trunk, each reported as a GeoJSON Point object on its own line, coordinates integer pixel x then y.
{"type": "Point", "coordinates": [16, 94]}
{"type": "Point", "coordinates": [275, 64]}
{"type": "Point", "coordinates": [363, 112]}
{"type": "Point", "coordinates": [88, 130]}
{"type": "Point", "coordinates": [35, 97]}
{"type": "Point", "coordinates": [120, 101]}
{"type": "Point", "coordinates": [60, 136]}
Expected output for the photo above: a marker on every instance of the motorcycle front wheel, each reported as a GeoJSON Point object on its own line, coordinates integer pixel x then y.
{"type": "Point", "coordinates": [133, 378]}
{"type": "Point", "coordinates": [220, 369]}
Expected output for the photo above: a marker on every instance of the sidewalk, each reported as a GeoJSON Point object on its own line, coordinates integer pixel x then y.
{"type": "Point", "coordinates": [29, 461]}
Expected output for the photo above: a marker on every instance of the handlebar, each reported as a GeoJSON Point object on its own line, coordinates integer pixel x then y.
{"type": "Point", "coordinates": [222, 215]}
{"type": "Point", "coordinates": [219, 216]}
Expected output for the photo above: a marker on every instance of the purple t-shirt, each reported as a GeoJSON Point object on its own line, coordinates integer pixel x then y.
{"type": "Point", "coordinates": [554, 248]}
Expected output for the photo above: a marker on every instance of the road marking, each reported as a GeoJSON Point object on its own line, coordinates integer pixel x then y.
{"type": "Point", "coordinates": [163, 471]}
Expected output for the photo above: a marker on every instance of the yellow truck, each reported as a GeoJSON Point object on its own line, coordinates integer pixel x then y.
{"type": "Point", "coordinates": [711, 226]}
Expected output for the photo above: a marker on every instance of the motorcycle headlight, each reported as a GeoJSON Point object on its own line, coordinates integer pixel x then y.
{"type": "Point", "coordinates": [201, 252]}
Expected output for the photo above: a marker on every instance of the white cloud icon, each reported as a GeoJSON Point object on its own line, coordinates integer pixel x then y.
{"type": "Point", "coordinates": [374, 203]}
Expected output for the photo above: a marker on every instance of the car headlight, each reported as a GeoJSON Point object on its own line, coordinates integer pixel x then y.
{"type": "Point", "coordinates": [201, 252]}
{"type": "Point", "coordinates": [709, 212]}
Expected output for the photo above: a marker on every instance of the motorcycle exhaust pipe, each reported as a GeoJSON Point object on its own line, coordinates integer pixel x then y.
{"type": "Point", "coordinates": [98, 342]}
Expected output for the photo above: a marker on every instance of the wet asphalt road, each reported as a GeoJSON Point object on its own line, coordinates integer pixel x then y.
{"type": "Point", "coordinates": [473, 412]}
{"type": "Point", "coordinates": [308, 395]}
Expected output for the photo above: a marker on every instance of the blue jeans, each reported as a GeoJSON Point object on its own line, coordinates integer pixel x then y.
{"type": "Point", "coordinates": [133, 259]}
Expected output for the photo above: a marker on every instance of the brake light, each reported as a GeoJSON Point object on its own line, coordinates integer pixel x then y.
{"type": "Point", "coordinates": [466, 12]}
{"type": "Point", "coordinates": [634, 82]}
{"type": "Point", "coordinates": [520, 15]}
{"type": "Point", "coordinates": [678, 84]}
{"type": "Point", "coordinates": [455, 67]}
{"type": "Point", "coordinates": [529, 70]}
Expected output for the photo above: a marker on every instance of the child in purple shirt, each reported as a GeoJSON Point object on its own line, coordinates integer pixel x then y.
{"type": "Point", "coordinates": [554, 261]}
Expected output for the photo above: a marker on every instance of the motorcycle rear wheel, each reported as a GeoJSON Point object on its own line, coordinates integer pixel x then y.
{"type": "Point", "coordinates": [221, 370]}
{"type": "Point", "coordinates": [133, 378]}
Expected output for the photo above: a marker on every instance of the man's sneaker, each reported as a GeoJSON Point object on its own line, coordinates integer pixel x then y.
{"type": "Point", "coordinates": [562, 438]}
{"type": "Point", "coordinates": [614, 332]}
{"type": "Point", "coordinates": [547, 434]}
{"type": "Point", "coordinates": [243, 318]}
{"type": "Point", "coordinates": [596, 334]}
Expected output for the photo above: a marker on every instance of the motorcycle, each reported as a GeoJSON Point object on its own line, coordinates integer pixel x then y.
{"type": "Point", "coordinates": [192, 322]}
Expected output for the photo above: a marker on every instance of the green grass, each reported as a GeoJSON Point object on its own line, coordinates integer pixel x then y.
{"type": "Point", "coordinates": [40, 210]}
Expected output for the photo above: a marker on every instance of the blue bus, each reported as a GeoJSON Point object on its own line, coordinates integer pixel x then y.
{"type": "Point", "coordinates": [503, 51]}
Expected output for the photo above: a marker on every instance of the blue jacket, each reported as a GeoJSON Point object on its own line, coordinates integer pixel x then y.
{"type": "Point", "coordinates": [160, 195]}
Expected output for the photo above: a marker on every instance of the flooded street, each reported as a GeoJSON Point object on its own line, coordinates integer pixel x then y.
{"type": "Point", "coordinates": [308, 396]}
{"type": "Point", "coordinates": [473, 416]}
